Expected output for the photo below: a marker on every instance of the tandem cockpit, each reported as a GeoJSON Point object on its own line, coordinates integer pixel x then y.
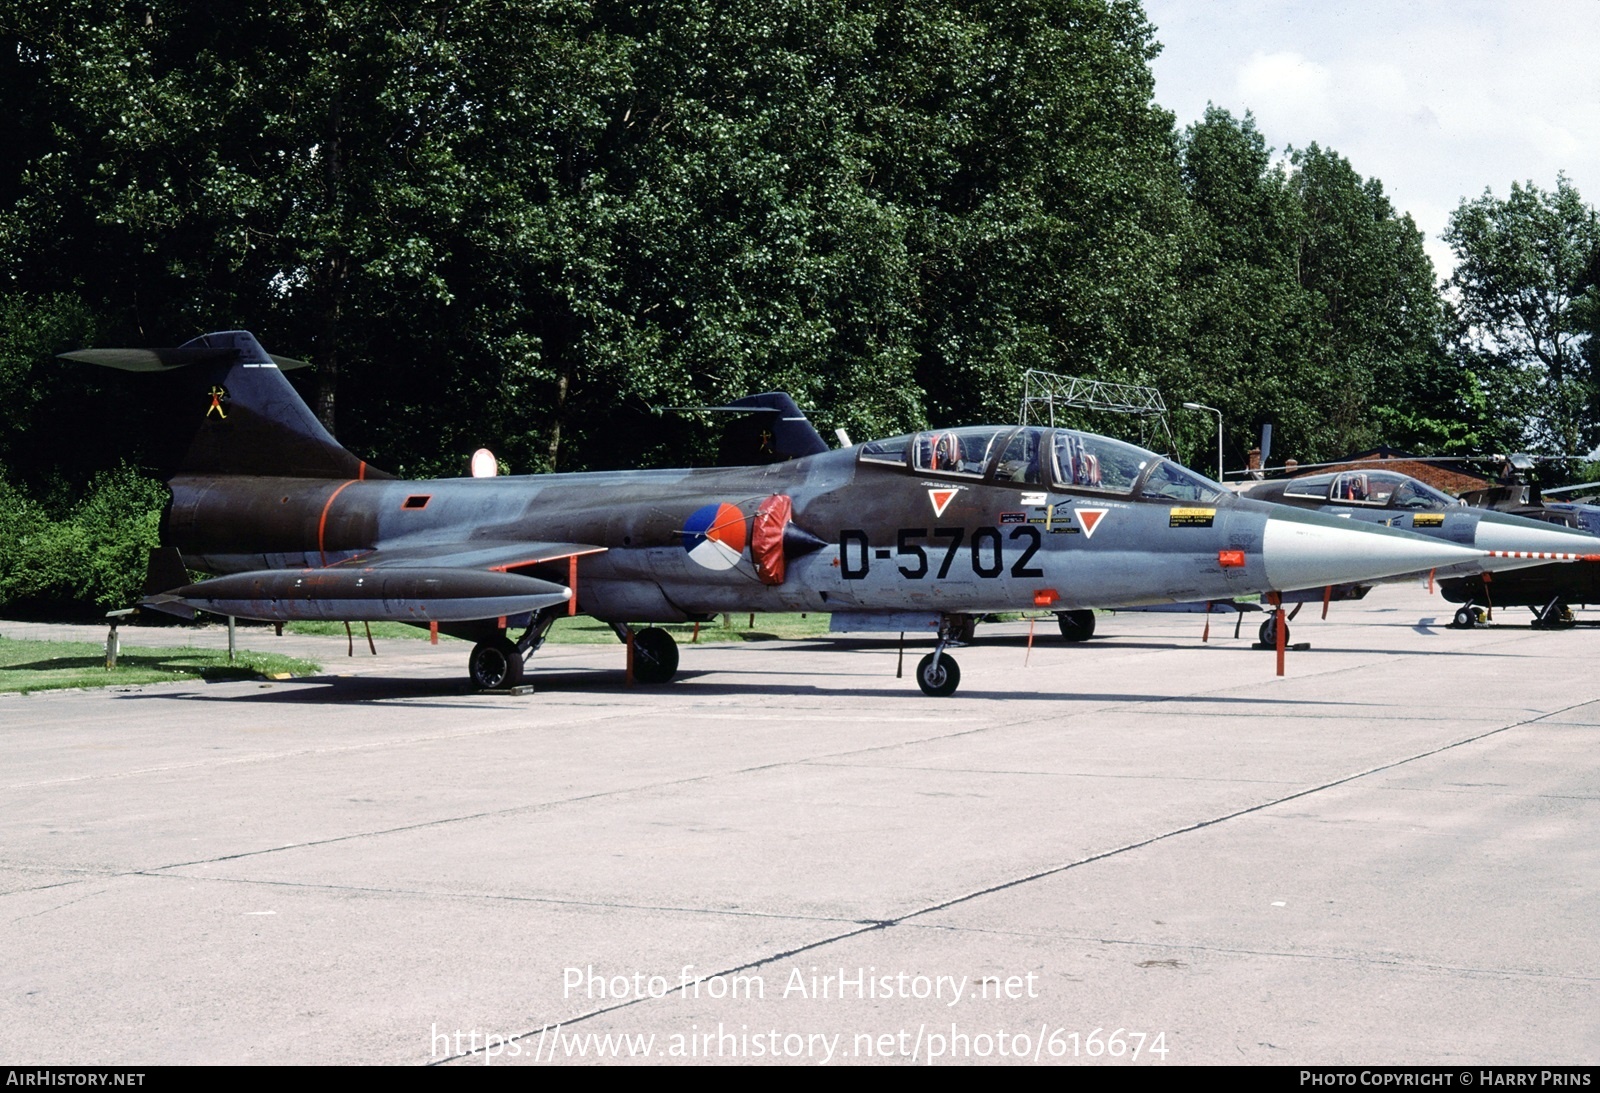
{"type": "Point", "coordinates": [1366, 489]}
{"type": "Point", "coordinates": [1034, 456]}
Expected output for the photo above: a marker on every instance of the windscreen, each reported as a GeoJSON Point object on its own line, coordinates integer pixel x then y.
{"type": "Point", "coordinates": [1170, 482]}
{"type": "Point", "coordinates": [1087, 461]}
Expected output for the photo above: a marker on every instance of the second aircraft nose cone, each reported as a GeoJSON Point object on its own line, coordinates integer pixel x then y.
{"type": "Point", "coordinates": [1308, 550]}
{"type": "Point", "coordinates": [1521, 542]}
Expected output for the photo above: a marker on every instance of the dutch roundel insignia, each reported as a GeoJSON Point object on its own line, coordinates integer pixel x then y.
{"type": "Point", "coordinates": [714, 536]}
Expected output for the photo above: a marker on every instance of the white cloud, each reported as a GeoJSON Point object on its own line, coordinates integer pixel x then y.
{"type": "Point", "coordinates": [1437, 100]}
{"type": "Point", "coordinates": [1289, 91]}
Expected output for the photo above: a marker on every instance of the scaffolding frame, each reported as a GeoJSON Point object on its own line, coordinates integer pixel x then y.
{"type": "Point", "coordinates": [1044, 392]}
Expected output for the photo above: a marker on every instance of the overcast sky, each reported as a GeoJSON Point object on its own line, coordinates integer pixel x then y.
{"type": "Point", "coordinates": [1437, 100]}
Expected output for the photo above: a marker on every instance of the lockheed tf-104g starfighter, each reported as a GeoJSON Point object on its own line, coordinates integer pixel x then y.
{"type": "Point", "coordinates": [1540, 552]}
{"type": "Point", "coordinates": [940, 525]}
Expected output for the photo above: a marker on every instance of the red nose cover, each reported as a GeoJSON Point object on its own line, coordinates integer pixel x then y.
{"type": "Point", "coordinates": [766, 540]}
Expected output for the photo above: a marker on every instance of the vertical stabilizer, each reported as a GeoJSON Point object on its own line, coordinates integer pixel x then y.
{"type": "Point", "coordinates": [247, 418]}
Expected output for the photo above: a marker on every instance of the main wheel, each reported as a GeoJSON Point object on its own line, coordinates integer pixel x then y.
{"type": "Point", "coordinates": [495, 665]}
{"type": "Point", "coordinates": [655, 655]}
{"type": "Point", "coordinates": [1076, 625]}
{"type": "Point", "coordinates": [939, 681]}
{"type": "Point", "coordinates": [1269, 631]}
{"type": "Point", "coordinates": [1467, 618]}
{"type": "Point", "coordinates": [1558, 617]}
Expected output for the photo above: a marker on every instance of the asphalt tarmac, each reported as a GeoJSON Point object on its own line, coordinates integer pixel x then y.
{"type": "Point", "coordinates": [1138, 850]}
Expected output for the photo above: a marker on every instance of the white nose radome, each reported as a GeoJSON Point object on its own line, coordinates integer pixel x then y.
{"type": "Point", "coordinates": [1514, 542]}
{"type": "Point", "coordinates": [1308, 551]}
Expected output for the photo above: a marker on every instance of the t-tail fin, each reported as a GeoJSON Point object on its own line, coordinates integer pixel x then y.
{"type": "Point", "coordinates": [771, 429]}
{"type": "Point", "coordinates": [247, 417]}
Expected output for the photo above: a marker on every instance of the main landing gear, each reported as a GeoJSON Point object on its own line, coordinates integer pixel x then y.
{"type": "Point", "coordinates": [495, 665]}
{"type": "Point", "coordinates": [1269, 631]}
{"type": "Point", "coordinates": [499, 664]}
{"type": "Point", "coordinates": [655, 654]}
{"type": "Point", "coordinates": [1076, 625]}
{"type": "Point", "coordinates": [1555, 615]}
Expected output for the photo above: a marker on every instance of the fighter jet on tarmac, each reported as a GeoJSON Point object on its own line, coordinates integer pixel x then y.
{"type": "Point", "coordinates": [933, 527]}
{"type": "Point", "coordinates": [1539, 550]}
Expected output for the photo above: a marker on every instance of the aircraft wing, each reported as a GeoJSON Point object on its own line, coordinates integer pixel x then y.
{"type": "Point", "coordinates": [497, 556]}
{"type": "Point", "coordinates": [436, 582]}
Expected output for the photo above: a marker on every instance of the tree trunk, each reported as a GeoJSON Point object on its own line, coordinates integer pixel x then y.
{"type": "Point", "coordinates": [334, 274]}
{"type": "Point", "coordinates": [562, 385]}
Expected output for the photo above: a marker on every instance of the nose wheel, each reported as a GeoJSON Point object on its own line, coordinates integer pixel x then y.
{"type": "Point", "coordinates": [938, 675]}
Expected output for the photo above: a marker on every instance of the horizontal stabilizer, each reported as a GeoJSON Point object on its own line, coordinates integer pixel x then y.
{"type": "Point", "coordinates": [167, 360]}
{"type": "Point", "coordinates": [770, 428]}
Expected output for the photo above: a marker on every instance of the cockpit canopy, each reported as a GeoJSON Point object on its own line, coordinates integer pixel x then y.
{"type": "Point", "coordinates": [1377, 489]}
{"type": "Point", "coordinates": [1048, 458]}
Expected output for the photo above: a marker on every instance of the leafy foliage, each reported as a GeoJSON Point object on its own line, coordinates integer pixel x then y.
{"type": "Point", "coordinates": [1312, 303]}
{"type": "Point", "coordinates": [530, 227]}
{"type": "Point", "coordinates": [95, 552]}
{"type": "Point", "coordinates": [533, 226]}
{"type": "Point", "coordinates": [1527, 289]}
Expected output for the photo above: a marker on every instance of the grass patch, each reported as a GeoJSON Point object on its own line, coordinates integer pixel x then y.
{"type": "Point", "coordinates": [582, 630]}
{"type": "Point", "coordinates": [723, 628]}
{"type": "Point", "coordinates": [53, 665]}
{"type": "Point", "coordinates": [379, 630]}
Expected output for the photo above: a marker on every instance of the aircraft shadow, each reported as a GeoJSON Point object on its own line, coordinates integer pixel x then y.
{"type": "Point", "coordinates": [332, 690]}
{"type": "Point", "coordinates": [181, 668]}
{"type": "Point", "coordinates": [1242, 645]}
{"type": "Point", "coordinates": [448, 693]}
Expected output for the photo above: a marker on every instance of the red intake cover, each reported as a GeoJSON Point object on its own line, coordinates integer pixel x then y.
{"type": "Point", "coordinates": [766, 540]}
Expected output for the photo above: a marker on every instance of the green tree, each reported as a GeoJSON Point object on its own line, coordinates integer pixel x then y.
{"type": "Point", "coordinates": [91, 551]}
{"type": "Point", "coordinates": [1311, 303]}
{"type": "Point", "coordinates": [530, 226]}
{"type": "Point", "coordinates": [1525, 310]}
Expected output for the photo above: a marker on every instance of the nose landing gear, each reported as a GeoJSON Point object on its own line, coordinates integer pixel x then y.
{"type": "Point", "coordinates": [937, 673]}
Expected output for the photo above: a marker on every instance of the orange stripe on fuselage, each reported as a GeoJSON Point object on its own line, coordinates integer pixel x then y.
{"type": "Point", "coordinates": [322, 522]}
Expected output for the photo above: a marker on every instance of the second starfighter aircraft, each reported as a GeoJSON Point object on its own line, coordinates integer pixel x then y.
{"type": "Point", "coordinates": [939, 525]}
{"type": "Point", "coordinates": [1509, 571]}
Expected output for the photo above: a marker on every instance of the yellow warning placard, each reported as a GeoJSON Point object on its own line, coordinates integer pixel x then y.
{"type": "Point", "coordinates": [1192, 518]}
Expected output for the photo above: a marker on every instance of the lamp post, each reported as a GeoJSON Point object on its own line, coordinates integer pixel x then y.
{"type": "Point", "coordinates": [1213, 410]}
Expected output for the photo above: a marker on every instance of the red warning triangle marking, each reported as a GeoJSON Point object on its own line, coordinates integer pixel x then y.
{"type": "Point", "coordinates": [1090, 519]}
{"type": "Point", "coordinates": [941, 499]}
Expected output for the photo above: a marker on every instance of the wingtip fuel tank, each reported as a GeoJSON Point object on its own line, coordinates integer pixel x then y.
{"type": "Point", "coordinates": [356, 595]}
